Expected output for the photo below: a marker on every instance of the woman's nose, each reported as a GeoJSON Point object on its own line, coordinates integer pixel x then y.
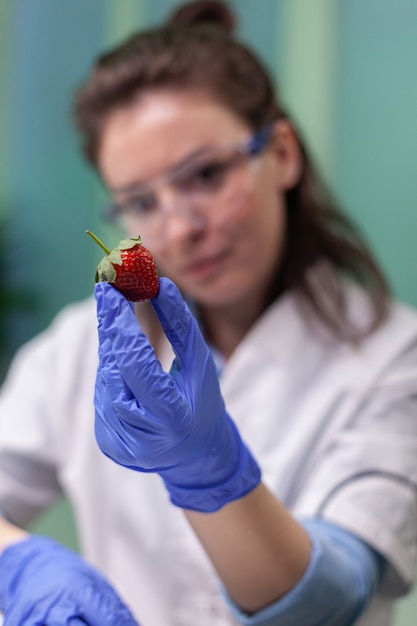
{"type": "Point", "coordinates": [180, 219]}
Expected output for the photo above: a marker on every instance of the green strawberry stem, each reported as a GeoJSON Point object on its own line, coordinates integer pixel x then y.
{"type": "Point", "coordinates": [97, 240]}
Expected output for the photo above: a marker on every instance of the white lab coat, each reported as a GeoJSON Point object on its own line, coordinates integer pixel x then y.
{"type": "Point", "coordinates": [333, 427]}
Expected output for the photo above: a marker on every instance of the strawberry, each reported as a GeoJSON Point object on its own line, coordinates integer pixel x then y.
{"type": "Point", "coordinates": [130, 268]}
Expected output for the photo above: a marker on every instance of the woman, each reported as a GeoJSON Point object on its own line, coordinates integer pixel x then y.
{"type": "Point", "coordinates": [278, 491]}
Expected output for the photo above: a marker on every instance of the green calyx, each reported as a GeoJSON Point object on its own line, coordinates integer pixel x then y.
{"type": "Point", "coordinates": [125, 244]}
{"type": "Point", "coordinates": [105, 269]}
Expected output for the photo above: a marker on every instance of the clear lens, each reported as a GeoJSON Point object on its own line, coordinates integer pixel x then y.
{"type": "Point", "coordinates": [138, 205]}
{"type": "Point", "coordinates": [207, 176]}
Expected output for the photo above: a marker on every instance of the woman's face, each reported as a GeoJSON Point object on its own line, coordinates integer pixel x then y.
{"type": "Point", "coordinates": [230, 252]}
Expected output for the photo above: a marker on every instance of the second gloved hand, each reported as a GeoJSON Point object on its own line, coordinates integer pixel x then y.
{"type": "Point", "coordinates": [42, 582]}
{"type": "Point", "coordinates": [173, 423]}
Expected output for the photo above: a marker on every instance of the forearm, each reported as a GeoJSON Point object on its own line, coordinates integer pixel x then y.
{"type": "Point", "coordinates": [258, 549]}
{"type": "Point", "coordinates": [10, 534]}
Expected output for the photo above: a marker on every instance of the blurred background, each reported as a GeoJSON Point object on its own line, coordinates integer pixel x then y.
{"type": "Point", "coordinates": [346, 71]}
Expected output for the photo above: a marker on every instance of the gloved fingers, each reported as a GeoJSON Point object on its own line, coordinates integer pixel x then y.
{"type": "Point", "coordinates": [116, 618]}
{"type": "Point", "coordinates": [70, 612]}
{"type": "Point", "coordinates": [116, 408]}
{"type": "Point", "coordinates": [45, 583]}
{"type": "Point", "coordinates": [101, 606]}
{"type": "Point", "coordinates": [123, 425]}
{"type": "Point", "coordinates": [107, 437]}
{"type": "Point", "coordinates": [141, 401]}
{"type": "Point", "coordinates": [130, 350]}
{"type": "Point", "coordinates": [51, 610]}
{"type": "Point", "coordinates": [110, 384]}
{"type": "Point", "coordinates": [123, 434]}
{"type": "Point", "coordinates": [180, 326]}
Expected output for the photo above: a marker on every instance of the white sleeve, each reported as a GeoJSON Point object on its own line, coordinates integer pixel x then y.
{"type": "Point", "coordinates": [366, 481]}
{"type": "Point", "coordinates": [38, 412]}
{"type": "Point", "coordinates": [27, 477]}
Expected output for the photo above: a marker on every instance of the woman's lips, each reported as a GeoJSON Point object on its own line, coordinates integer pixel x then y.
{"type": "Point", "coordinates": [206, 266]}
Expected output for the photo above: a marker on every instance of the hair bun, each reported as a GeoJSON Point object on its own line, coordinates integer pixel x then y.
{"type": "Point", "coordinates": [204, 12]}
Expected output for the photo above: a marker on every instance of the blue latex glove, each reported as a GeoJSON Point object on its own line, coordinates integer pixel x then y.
{"type": "Point", "coordinates": [42, 582]}
{"type": "Point", "coordinates": [174, 424]}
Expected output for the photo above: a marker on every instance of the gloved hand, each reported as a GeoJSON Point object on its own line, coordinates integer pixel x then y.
{"type": "Point", "coordinates": [172, 423]}
{"type": "Point", "coordinates": [42, 582]}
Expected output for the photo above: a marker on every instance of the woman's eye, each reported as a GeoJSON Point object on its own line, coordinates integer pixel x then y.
{"type": "Point", "coordinates": [208, 175]}
{"type": "Point", "coordinates": [138, 205]}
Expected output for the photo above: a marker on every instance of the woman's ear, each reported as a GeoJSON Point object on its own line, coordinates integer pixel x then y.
{"type": "Point", "coordinates": [287, 151]}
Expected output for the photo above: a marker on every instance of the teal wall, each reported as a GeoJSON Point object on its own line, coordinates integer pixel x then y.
{"type": "Point", "coordinates": [376, 130]}
{"type": "Point", "coordinates": [347, 71]}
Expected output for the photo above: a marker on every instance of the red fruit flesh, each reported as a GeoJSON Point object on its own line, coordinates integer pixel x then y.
{"type": "Point", "coordinates": [136, 277]}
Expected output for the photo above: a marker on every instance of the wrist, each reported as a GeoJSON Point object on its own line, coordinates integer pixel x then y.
{"type": "Point", "coordinates": [10, 534]}
{"type": "Point", "coordinates": [237, 480]}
